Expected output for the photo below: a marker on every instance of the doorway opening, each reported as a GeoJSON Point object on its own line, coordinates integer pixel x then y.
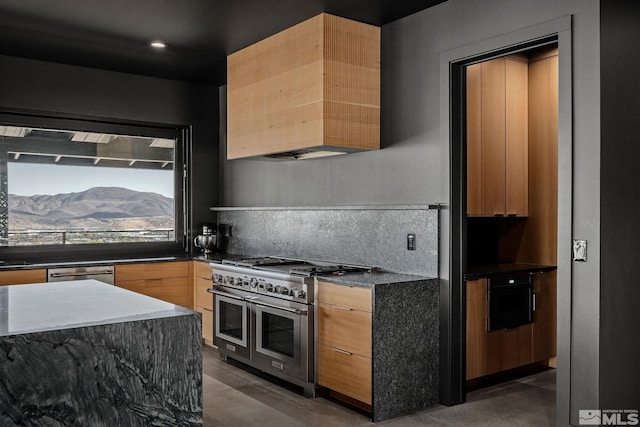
{"type": "Point", "coordinates": [510, 215]}
{"type": "Point", "coordinates": [505, 169]}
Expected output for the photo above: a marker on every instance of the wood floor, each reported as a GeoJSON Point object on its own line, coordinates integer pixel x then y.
{"type": "Point", "coordinates": [235, 397]}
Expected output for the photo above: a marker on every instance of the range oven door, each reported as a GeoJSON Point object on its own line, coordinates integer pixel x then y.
{"type": "Point", "coordinates": [281, 339]}
{"type": "Point", "coordinates": [510, 302]}
{"type": "Point", "coordinates": [231, 322]}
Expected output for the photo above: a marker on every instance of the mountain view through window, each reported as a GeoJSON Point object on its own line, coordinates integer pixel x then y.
{"type": "Point", "coordinates": [66, 187]}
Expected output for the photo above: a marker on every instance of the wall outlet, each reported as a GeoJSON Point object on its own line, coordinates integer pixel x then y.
{"type": "Point", "coordinates": [411, 242]}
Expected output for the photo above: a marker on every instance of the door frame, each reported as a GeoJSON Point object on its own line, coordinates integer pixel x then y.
{"type": "Point", "coordinates": [452, 247]}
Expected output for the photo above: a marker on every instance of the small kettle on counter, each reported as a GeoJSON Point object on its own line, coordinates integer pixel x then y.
{"type": "Point", "coordinates": [208, 240]}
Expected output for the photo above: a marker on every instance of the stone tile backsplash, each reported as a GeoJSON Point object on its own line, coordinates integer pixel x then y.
{"type": "Point", "coordinates": [369, 236]}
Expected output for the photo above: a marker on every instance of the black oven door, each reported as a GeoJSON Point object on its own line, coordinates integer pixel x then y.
{"type": "Point", "coordinates": [231, 325]}
{"type": "Point", "coordinates": [281, 339]}
{"type": "Point", "coordinates": [510, 302]}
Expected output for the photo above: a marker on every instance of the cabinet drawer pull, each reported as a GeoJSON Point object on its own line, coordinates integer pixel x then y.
{"type": "Point", "coordinates": [348, 353]}
{"type": "Point", "coordinates": [341, 307]}
{"type": "Point", "coordinates": [206, 309]}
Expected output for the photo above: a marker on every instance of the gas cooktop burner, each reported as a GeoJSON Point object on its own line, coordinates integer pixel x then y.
{"type": "Point", "coordinates": [297, 267]}
{"type": "Point", "coordinates": [255, 262]}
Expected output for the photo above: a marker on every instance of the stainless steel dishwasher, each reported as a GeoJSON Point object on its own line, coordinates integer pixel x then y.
{"type": "Point", "coordinates": [103, 273]}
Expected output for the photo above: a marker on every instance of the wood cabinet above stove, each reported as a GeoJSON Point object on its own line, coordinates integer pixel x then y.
{"type": "Point", "coordinates": [308, 91]}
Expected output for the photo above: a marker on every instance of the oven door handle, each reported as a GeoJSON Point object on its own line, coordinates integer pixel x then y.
{"type": "Point", "coordinates": [290, 310]}
{"type": "Point", "coordinates": [224, 294]}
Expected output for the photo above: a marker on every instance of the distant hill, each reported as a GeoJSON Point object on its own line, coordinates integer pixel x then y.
{"type": "Point", "coordinates": [96, 204]}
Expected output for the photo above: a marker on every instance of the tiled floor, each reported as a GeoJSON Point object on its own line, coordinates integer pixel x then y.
{"type": "Point", "coordinates": [234, 397]}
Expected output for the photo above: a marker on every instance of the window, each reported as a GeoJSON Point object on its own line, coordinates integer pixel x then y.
{"type": "Point", "coordinates": [68, 182]}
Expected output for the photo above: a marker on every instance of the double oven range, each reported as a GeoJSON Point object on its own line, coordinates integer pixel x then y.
{"type": "Point", "coordinates": [264, 314]}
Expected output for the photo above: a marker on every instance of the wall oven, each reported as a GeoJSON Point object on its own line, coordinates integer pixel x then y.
{"type": "Point", "coordinates": [511, 301]}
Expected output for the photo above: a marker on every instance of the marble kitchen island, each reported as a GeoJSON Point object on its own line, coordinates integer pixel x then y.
{"type": "Point", "coordinates": [86, 353]}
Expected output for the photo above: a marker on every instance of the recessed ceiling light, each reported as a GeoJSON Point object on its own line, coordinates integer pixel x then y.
{"type": "Point", "coordinates": [158, 44]}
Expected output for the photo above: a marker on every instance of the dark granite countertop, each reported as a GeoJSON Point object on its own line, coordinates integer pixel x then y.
{"type": "Point", "coordinates": [74, 304]}
{"type": "Point", "coordinates": [481, 271]}
{"type": "Point", "coordinates": [371, 280]}
{"type": "Point", "coordinates": [53, 263]}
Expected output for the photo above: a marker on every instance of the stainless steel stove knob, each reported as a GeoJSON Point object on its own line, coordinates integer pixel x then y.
{"type": "Point", "coordinates": [253, 282]}
{"type": "Point", "coordinates": [278, 289]}
{"type": "Point", "coordinates": [299, 293]}
{"type": "Point", "coordinates": [269, 287]}
{"type": "Point", "coordinates": [284, 290]}
{"type": "Point", "coordinates": [261, 286]}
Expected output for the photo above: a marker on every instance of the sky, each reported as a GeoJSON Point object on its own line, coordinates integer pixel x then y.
{"type": "Point", "coordinates": [28, 179]}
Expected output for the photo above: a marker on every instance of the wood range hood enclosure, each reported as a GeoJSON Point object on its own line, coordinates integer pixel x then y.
{"type": "Point", "coordinates": [311, 90]}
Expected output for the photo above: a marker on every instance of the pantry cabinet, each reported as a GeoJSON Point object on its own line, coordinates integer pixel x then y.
{"type": "Point", "coordinates": [168, 281]}
{"type": "Point", "coordinates": [203, 301]}
{"type": "Point", "coordinates": [497, 137]}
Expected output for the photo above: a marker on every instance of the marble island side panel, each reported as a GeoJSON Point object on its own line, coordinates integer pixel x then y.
{"type": "Point", "coordinates": [119, 371]}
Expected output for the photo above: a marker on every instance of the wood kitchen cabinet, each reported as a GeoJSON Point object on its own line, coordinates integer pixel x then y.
{"type": "Point", "coordinates": [168, 281]}
{"type": "Point", "coordinates": [544, 317]}
{"type": "Point", "coordinates": [489, 352]}
{"type": "Point", "coordinates": [21, 277]}
{"type": "Point", "coordinates": [203, 300]}
{"type": "Point", "coordinates": [477, 352]}
{"type": "Point", "coordinates": [315, 85]}
{"type": "Point", "coordinates": [497, 137]}
{"type": "Point", "coordinates": [344, 340]}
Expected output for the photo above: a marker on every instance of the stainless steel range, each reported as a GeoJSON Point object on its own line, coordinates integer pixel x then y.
{"type": "Point", "coordinates": [264, 314]}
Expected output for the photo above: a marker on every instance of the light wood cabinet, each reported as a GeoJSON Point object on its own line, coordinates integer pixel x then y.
{"type": "Point", "coordinates": [316, 84]}
{"type": "Point", "coordinates": [497, 137]}
{"type": "Point", "coordinates": [544, 317]}
{"type": "Point", "coordinates": [203, 302]}
{"type": "Point", "coordinates": [489, 352]}
{"type": "Point", "coordinates": [476, 328]}
{"type": "Point", "coordinates": [168, 281]}
{"type": "Point", "coordinates": [22, 277]}
{"type": "Point", "coordinates": [344, 338]}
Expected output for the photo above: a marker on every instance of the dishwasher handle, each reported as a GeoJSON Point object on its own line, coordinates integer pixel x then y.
{"type": "Point", "coordinates": [92, 273]}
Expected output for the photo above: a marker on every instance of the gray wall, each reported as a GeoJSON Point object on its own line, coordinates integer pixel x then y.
{"type": "Point", "coordinates": [54, 88]}
{"type": "Point", "coordinates": [412, 166]}
{"type": "Point", "coordinates": [620, 207]}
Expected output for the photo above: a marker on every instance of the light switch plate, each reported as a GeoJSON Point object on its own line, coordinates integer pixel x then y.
{"type": "Point", "coordinates": [579, 250]}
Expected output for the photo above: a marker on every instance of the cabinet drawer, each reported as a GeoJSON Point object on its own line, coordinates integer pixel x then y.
{"type": "Point", "coordinates": [345, 296]}
{"type": "Point", "coordinates": [345, 328]}
{"type": "Point", "coordinates": [20, 277]}
{"type": "Point", "coordinates": [173, 289]}
{"type": "Point", "coordinates": [349, 374]}
{"type": "Point", "coordinates": [204, 298]}
{"type": "Point", "coordinates": [152, 270]}
{"type": "Point", "coordinates": [203, 270]}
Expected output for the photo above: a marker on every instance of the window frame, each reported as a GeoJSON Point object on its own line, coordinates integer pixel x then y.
{"type": "Point", "coordinates": [112, 251]}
